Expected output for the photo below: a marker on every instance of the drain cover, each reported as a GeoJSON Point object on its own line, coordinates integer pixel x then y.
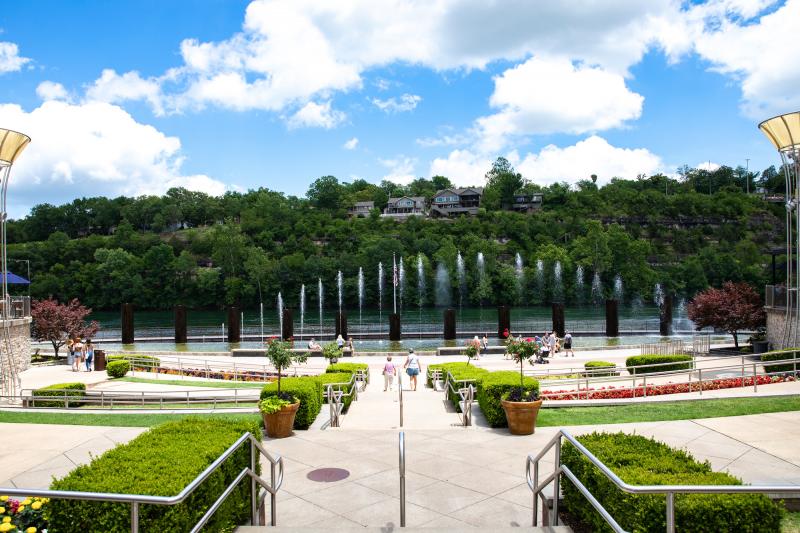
{"type": "Point", "coordinates": [328, 475]}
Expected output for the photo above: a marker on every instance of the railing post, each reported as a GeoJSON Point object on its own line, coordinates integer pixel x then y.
{"type": "Point", "coordinates": [670, 512]}
{"type": "Point", "coordinates": [644, 385]}
{"type": "Point", "coordinates": [135, 517]}
{"type": "Point", "coordinates": [700, 379]}
{"type": "Point", "coordinates": [742, 371]}
{"type": "Point", "coordinates": [66, 400]}
{"type": "Point", "coordinates": [273, 497]}
{"type": "Point", "coordinates": [402, 462]}
{"type": "Point", "coordinates": [755, 378]}
{"type": "Point", "coordinates": [556, 484]}
{"type": "Point", "coordinates": [253, 488]}
{"type": "Point", "coordinates": [536, 486]}
{"type": "Point", "coordinates": [180, 367]}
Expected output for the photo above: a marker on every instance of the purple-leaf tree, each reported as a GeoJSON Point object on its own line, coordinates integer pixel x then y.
{"type": "Point", "coordinates": [734, 307]}
{"type": "Point", "coordinates": [57, 322]}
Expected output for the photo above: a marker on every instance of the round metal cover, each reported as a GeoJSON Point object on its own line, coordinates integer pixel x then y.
{"type": "Point", "coordinates": [328, 475]}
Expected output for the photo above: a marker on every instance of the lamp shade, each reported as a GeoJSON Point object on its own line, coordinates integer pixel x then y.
{"type": "Point", "coordinates": [783, 131]}
{"type": "Point", "coordinates": [12, 143]}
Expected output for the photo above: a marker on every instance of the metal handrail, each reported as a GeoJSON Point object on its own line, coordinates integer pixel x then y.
{"type": "Point", "coordinates": [108, 399]}
{"type": "Point", "coordinates": [206, 366]}
{"type": "Point", "coordinates": [669, 491]}
{"type": "Point", "coordinates": [335, 397]}
{"type": "Point", "coordinates": [272, 487]}
{"type": "Point", "coordinates": [465, 393]}
{"type": "Point", "coordinates": [402, 466]}
{"type": "Point", "coordinates": [400, 396]}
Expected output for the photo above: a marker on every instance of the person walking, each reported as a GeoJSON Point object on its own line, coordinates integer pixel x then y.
{"type": "Point", "coordinates": [546, 345]}
{"type": "Point", "coordinates": [89, 349]}
{"type": "Point", "coordinates": [71, 353]}
{"type": "Point", "coordinates": [389, 372]}
{"type": "Point", "coordinates": [568, 345]}
{"type": "Point", "coordinates": [340, 341]}
{"type": "Point", "coordinates": [77, 346]}
{"type": "Point", "coordinates": [552, 343]}
{"type": "Point", "coordinates": [350, 346]}
{"type": "Point", "coordinates": [412, 367]}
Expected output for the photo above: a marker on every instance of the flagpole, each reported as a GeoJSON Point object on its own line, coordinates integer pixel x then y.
{"type": "Point", "coordinates": [394, 282]}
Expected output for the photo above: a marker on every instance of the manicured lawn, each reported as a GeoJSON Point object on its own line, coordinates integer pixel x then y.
{"type": "Point", "coordinates": [197, 383]}
{"type": "Point", "coordinates": [791, 523]}
{"type": "Point", "coordinates": [650, 412]}
{"type": "Point", "coordinates": [105, 419]}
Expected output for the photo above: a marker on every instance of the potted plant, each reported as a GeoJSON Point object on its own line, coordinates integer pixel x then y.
{"type": "Point", "coordinates": [520, 405]}
{"type": "Point", "coordinates": [759, 340]}
{"type": "Point", "coordinates": [332, 352]}
{"type": "Point", "coordinates": [473, 346]}
{"type": "Point", "coordinates": [279, 411]}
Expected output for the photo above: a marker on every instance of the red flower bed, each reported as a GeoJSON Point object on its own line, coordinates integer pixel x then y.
{"type": "Point", "coordinates": [604, 393]}
{"type": "Point", "coordinates": [241, 375]}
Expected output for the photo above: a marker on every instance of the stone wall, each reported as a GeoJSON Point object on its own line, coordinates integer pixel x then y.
{"type": "Point", "coordinates": [20, 334]}
{"type": "Point", "coordinates": [776, 317]}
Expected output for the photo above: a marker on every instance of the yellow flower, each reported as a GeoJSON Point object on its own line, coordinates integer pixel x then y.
{"type": "Point", "coordinates": [36, 505]}
{"type": "Point", "coordinates": [27, 501]}
{"type": "Point", "coordinates": [3, 498]}
{"type": "Point", "coordinates": [30, 530]}
{"type": "Point", "coordinates": [2, 510]}
{"type": "Point", "coordinates": [20, 508]}
{"type": "Point", "coordinates": [6, 527]}
{"type": "Point", "coordinates": [6, 519]}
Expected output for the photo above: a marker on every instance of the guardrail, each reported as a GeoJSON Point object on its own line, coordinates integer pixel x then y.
{"type": "Point", "coordinates": [272, 487]}
{"type": "Point", "coordinates": [669, 491]}
{"type": "Point", "coordinates": [336, 396]}
{"type": "Point", "coordinates": [15, 307]}
{"type": "Point", "coordinates": [464, 389]}
{"type": "Point", "coordinates": [110, 399]}
{"type": "Point", "coordinates": [206, 368]}
{"type": "Point", "coordinates": [402, 467]}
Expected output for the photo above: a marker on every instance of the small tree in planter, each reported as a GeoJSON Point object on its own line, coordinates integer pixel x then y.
{"type": "Point", "coordinates": [331, 352]}
{"type": "Point", "coordinates": [472, 348]}
{"type": "Point", "coordinates": [279, 411]}
{"type": "Point", "coordinates": [734, 307]}
{"type": "Point", "coordinates": [521, 405]}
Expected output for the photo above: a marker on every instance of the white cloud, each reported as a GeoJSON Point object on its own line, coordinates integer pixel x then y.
{"type": "Point", "coordinates": [759, 55]}
{"type": "Point", "coordinates": [113, 88]}
{"type": "Point", "coordinates": [708, 165]}
{"type": "Point", "coordinates": [593, 155]}
{"type": "Point", "coordinates": [314, 115]}
{"type": "Point", "coordinates": [10, 60]}
{"type": "Point", "coordinates": [48, 90]}
{"type": "Point", "coordinates": [547, 96]}
{"type": "Point", "coordinates": [401, 169]}
{"type": "Point", "coordinates": [406, 102]}
{"type": "Point", "coordinates": [92, 149]}
{"type": "Point", "coordinates": [352, 144]}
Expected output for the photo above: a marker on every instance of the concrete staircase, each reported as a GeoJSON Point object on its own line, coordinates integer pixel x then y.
{"type": "Point", "coordinates": [391, 527]}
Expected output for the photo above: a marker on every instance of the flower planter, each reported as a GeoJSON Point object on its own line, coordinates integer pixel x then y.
{"type": "Point", "coordinates": [521, 416]}
{"type": "Point", "coordinates": [760, 346]}
{"type": "Point", "coordinates": [279, 425]}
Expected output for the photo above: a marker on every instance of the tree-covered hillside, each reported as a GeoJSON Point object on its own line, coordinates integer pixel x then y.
{"type": "Point", "coordinates": [202, 251]}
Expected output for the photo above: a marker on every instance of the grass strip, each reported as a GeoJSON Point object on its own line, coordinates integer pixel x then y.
{"type": "Point", "coordinates": [665, 411]}
{"type": "Point", "coordinates": [191, 383]}
{"type": "Point", "coordinates": [76, 418]}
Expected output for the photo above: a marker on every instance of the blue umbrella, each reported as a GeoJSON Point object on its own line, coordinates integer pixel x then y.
{"type": "Point", "coordinates": [13, 279]}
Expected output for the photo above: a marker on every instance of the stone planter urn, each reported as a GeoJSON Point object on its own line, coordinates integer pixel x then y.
{"type": "Point", "coordinates": [279, 425]}
{"type": "Point", "coordinates": [521, 416]}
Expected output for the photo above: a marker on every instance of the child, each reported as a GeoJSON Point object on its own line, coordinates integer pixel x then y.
{"type": "Point", "coordinates": [389, 372]}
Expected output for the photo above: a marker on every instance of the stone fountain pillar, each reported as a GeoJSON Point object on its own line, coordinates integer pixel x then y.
{"type": "Point", "coordinates": [612, 318]}
{"type": "Point", "coordinates": [341, 324]}
{"type": "Point", "coordinates": [234, 325]}
{"type": "Point", "coordinates": [503, 320]}
{"type": "Point", "coordinates": [449, 324]}
{"type": "Point", "coordinates": [287, 332]}
{"type": "Point", "coordinates": [127, 323]}
{"type": "Point", "coordinates": [665, 316]}
{"type": "Point", "coordinates": [180, 324]}
{"type": "Point", "coordinates": [394, 327]}
{"type": "Point", "coordinates": [558, 319]}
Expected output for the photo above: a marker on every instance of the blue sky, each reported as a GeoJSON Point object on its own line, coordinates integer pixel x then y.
{"type": "Point", "coordinates": [135, 97]}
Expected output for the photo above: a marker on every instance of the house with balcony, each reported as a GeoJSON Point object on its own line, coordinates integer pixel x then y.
{"type": "Point", "coordinates": [454, 202]}
{"type": "Point", "coordinates": [525, 203]}
{"type": "Point", "coordinates": [404, 207]}
{"type": "Point", "coordinates": [360, 209]}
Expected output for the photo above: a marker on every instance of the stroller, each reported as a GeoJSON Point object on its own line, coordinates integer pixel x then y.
{"type": "Point", "coordinates": [543, 354]}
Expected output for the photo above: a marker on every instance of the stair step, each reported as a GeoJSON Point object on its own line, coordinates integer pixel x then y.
{"type": "Point", "coordinates": [389, 528]}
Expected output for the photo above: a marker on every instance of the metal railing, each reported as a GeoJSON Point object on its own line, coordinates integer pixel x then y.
{"type": "Point", "coordinates": [400, 395]}
{"type": "Point", "coordinates": [669, 491]}
{"type": "Point", "coordinates": [402, 467]}
{"type": "Point", "coordinates": [463, 389]}
{"type": "Point", "coordinates": [205, 368]}
{"type": "Point", "coordinates": [272, 487]}
{"type": "Point", "coordinates": [15, 307]}
{"type": "Point", "coordinates": [335, 396]}
{"type": "Point", "coordinates": [111, 399]}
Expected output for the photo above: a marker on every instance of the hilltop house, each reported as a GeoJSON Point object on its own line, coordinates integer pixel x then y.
{"type": "Point", "coordinates": [404, 207]}
{"type": "Point", "coordinates": [451, 202]}
{"type": "Point", "coordinates": [360, 209]}
{"type": "Point", "coordinates": [525, 203]}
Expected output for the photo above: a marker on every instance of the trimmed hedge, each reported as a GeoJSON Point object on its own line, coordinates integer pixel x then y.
{"type": "Point", "coordinates": [597, 366]}
{"type": "Point", "coordinates": [682, 362]}
{"type": "Point", "coordinates": [777, 356]}
{"type": "Point", "coordinates": [160, 462]}
{"type": "Point", "coordinates": [143, 361]}
{"type": "Point", "coordinates": [117, 369]}
{"type": "Point", "coordinates": [307, 389]}
{"type": "Point", "coordinates": [641, 461]}
{"type": "Point", "coordinates": [75, 393]}
{"type": "Point", "coordinates": [461, 370]}
{"type": "Point", "coordinates": [350, 368]}
{"type": "Point", "coordinates": [491, 388]}
{"type": "Point", "coordinates": [337, 377]}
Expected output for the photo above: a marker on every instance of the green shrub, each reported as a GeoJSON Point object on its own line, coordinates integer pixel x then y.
{"type": "Point", "coordinates": [117, 369]}
{"type": "Point", "coordinates": [491, 388]}
{"type": "Point", "coordinates": [596, 367]}
{"type": "Point", "coordinates": [73, 391]}
{"type": "Point", "coordinates": [351, 368]}
{"type": "Point", "coordinates": [160, 462]}
{"type": "Point", "coordinates": [641, 461]}
{"type": "Point", "coordinates": [338, 377]}
{"type": "Point", "coordinates": [307, 389]}
{"type": "Point", "coordinates": [141, 361]}
{"type": "Point", "coordinates": [681, 362]}
{"type": "Point", "coordinates": [777, 356]}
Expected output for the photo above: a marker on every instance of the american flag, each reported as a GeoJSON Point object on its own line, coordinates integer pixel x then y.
{"type": "Point", "coordinates": [395, 279]}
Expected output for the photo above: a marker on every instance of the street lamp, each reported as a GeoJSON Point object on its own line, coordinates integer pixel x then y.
{"type": "Point", "coordinates": [12, 143]}
{"type": "Point", "coordinates": [783, 132]}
